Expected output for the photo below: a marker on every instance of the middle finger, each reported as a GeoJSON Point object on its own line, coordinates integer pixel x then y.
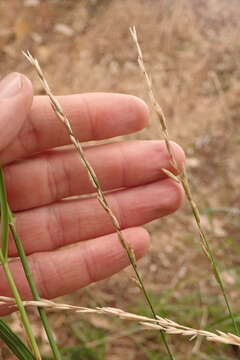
{"type": "Point", "coordinates": [56, 174]}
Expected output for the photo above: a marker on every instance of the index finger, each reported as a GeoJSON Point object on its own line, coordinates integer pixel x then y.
{"type": "Point", "coordinates": [93, 116]}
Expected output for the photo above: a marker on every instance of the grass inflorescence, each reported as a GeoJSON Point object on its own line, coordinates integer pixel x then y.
{"type": "Point", "coordinates": [183, 179]}
{"type": "Point", "coordinates": [160, 323]}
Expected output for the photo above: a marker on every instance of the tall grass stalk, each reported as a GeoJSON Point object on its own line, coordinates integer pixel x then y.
{"type": "Point", "coordinates": [183, 179]}
{"type": "Point", "coordinates": [96, 184]}
{"type": "Point", "coordinates": [23, 314]}
{"type": "Point", "coordinates": [8, 216]}
{"type": "Point", "coordinates": [35, 294]}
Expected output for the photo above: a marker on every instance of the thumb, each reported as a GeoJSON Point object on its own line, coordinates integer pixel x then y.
{"type": "Point", "coordinates": [16, 97]}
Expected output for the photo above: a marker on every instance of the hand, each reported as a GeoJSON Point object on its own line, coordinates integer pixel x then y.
{"type": "Point", "coordinates": [39, 174]}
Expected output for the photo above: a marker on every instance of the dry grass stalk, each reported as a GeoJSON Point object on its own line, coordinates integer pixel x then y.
{"type": "Point", "coordinates": [182, 177]}
{"type": "Point", "coordinates": [96, 184]}
{"type": "Point", "coordinates": [164, 324]}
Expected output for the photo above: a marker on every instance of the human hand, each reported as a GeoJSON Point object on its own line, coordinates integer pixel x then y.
{"type": "Point", "coordinates": [39, 174]}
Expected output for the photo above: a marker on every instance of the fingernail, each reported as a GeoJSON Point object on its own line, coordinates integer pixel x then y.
{"type": "Point", "coordinates": [10, 85]}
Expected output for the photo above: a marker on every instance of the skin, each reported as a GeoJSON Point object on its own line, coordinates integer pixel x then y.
{"type": "Point", "coordinates": [39, 174]}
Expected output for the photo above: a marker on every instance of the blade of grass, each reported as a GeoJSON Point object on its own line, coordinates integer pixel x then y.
{"type": "Point", "coordinates": [23, 314]}
{"type": "Point", "coordinates": [96, 184]}
{"type": "Point", "coordinates": [14, 343]}
{"type": "Point", "coordinates": [35, 294]}
{"type": "Point", "coordinates": [5, 219]}
{"type": "Point", "coordinates": [183, 177]}
{"type": "Point", "coordinates": [225, 320]}
{"type": "Point", "coordinates": [8, 218]}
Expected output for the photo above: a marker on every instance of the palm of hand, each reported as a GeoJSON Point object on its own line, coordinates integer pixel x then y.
{"type": "Point", "coordinates": [40, 175]}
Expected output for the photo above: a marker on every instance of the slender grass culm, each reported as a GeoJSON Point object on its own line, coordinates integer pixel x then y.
{"type": "Point", "coordinates": [96, 184]}
{"type": "Point", "coordinates": [35, 294]}
{"type": "Point", "coordinates": [6, 219]}
{"type": "Point", "coordinates": [8, 223]}
{"type": "Point", "coordinates": [183, 179]}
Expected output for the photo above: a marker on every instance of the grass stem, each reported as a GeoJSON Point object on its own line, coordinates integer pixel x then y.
{"type": "Point", "coordinates": [35, 294]}
{"type": "Point", "coordinates": [20, 306]}
{"type": "Point", "coordinates": [8, 221]}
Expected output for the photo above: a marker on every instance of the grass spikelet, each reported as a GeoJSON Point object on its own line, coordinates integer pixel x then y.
{"type": "Point", "coordinates": [163, 324]}
{"type": "Point", "coordinates": [183, 178]}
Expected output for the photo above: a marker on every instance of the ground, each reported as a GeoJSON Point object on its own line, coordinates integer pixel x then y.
{"type": "Point", "coordinates": [191, 48]}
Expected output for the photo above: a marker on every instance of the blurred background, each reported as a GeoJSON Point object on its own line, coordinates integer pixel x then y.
{"type": "Point", "coordinates": [192, 49]}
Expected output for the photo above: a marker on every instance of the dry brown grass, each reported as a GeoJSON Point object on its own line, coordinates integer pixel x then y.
{"type": "Point", "coordinates": [160, 323]}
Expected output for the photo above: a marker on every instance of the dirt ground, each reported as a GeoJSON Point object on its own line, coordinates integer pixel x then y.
{"type": "Point", "coordinates": [191, 48]}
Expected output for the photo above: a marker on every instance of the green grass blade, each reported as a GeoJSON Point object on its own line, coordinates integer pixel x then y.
{"type": "Point", "coordinates": [4, 217]}
{"type": "Point", "coordinates": [225, 320]}
{"type": "Point", "coordinates": [32, 285]}
{"type": "Point", "coordinates": [14, 343]}
{"type": "Point", "coordinates": [23, 314]}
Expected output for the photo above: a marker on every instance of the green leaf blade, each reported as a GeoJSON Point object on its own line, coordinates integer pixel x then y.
{"type": "Point", "coordinates": [14, 343]}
